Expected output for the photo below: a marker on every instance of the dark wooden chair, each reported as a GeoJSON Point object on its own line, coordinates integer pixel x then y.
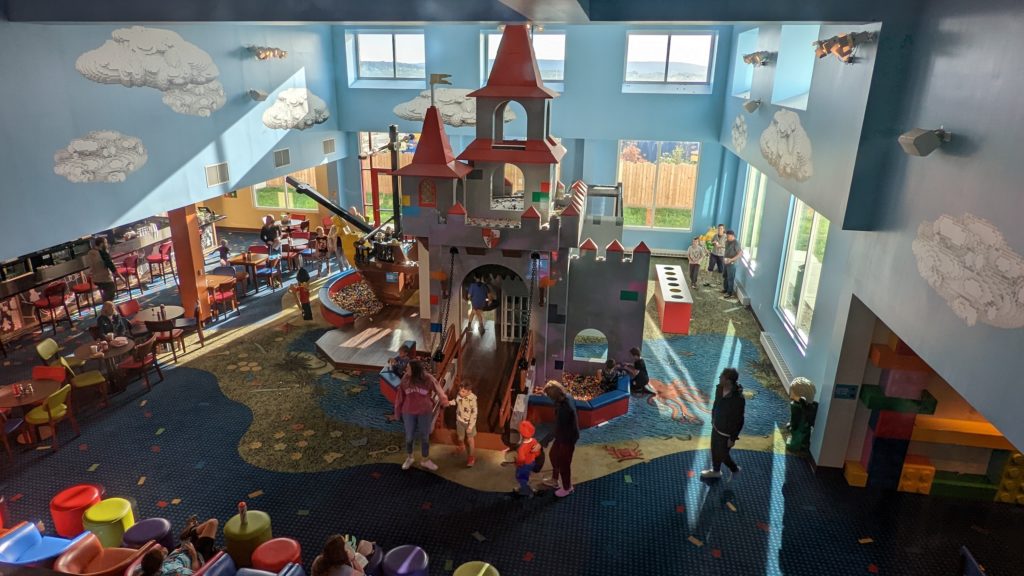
{"type": "Point", "coordinates": [193, 324]}
{"type": "Point", "coordinates": [166, 333]}
{"type": "Point", "coordinates": [143, 360]}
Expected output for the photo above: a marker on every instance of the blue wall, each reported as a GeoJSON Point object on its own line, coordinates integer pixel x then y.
{"type": "Point", "coordinates": [796, 59]}
{"type": "Point", "coordinates": [47, 103]}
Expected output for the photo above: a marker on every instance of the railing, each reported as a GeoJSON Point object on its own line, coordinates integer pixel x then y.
{"type": "Point", "coordinates": [525, 351]}
{"type": "Point", "coordinates": [451, 344]}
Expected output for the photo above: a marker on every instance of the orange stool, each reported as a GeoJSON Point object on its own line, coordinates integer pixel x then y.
{"type": "Point", "coordinates": [68, 506]}
{"type": "Point", "coordinates": [274, 554]}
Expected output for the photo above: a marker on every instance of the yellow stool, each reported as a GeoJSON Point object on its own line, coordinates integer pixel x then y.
{"type": "Point", "coordinates": [108, 520]}
{"type": "Point", "coordinates": [476, 568]}
{"type": "Point", "coordinates": [243, 539]}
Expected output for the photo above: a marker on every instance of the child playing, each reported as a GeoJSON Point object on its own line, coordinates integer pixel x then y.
{"type": "Point", "coordinates": [399, 363]}
{"type": "Point", "coordinates": [323, 250]}
{"type": "Point", "coordinates": [465, 421]}
{"type": "Point", "coordinates": [301, 291]}
{"type": "Point", "coordinates": [224, 252]}
{"type": "Point", "coordinates": [609, 376]}
{"type": "Point", "coordinates": [527, 453]}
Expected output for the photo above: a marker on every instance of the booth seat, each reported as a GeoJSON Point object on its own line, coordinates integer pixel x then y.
{"type": "Point", "coordinates": [88, 557]}
{"type": "Point", "coordinates": [389, 381]}
{"type": "Point", "coordinates": [591, 412]}
{"type": "Point", "coordinates": [25, 545]}
{"type": "Point", "coordinates": [332, 313]}
{"type": "Point", "coordinates": [222, 565]}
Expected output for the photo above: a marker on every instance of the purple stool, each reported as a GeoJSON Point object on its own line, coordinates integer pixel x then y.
{"type": "Point", "coordinates": [406, 560]}
{"type": "Point", "coordinates": [143, 531]}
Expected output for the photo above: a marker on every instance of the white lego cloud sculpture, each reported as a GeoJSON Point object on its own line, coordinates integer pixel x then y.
{"type": "Point", "coordinates": [967, 261]}
{"type": "Point", "coordinates": [159, 59]}
{"type": "Point", "coordinates": [455, 107]}
{"type": "Point", "coordinates": [102, 156]}
{"type": "Point", "coordinates": [296, 108]}
{"type": "Point", "coordinates": [786, 147]}
{"type": "Point", "coordinates": [739, 133]}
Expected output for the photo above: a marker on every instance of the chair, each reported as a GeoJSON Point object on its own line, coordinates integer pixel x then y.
{"type": "Point", "coordinates": [88, 557]}
{"type": "Point", "coordinates": [193, 324]}
{"type": "Point", "coordinates": [162, 258]}
{"type": "Point", "coordinates": [225, 295]}
{"type": "Point", "coordinates": [143, 359]}
{"type": "Point", "coordinates": [53, 300]}
{"type": "Point", "coordinates": [24, 545]}
{"type": "Point", "coordinates": [10, 426]}
{"type": "Point", "coordinates": [129, 309]}
{"type": "Point", "coordinates": [54, 410]}
{"type": "Point", "coordinates": [269, 273]}
{"type": "Point", "coordinates": [48, 350]}
{"type": "Point", "coordinates": [84, 289]}
{"type": "Point", "coordinates": [166, 333]}
{"type": "Point", "coordinates": [68, 506]}
{"type": "Point", "coordinates": [129, 269]}
{"type": "Point", "coordinates": [86, 379]}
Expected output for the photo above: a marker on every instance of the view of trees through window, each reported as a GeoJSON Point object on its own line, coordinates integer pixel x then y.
{"type": "Point", "coordinates": [753, 209]}
{"type": "Point", "coordinates": [391, 56]}
{"type": "Point", "coordinates": [371, 155]}
{"type": "Point", "coordinates": [659, 182]}
{"type": "Point", "coordinates": [276, 193]}
{"type": "Point", "coordinates": [802, 268]}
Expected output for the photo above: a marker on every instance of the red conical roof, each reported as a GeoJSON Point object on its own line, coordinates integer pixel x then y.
{"type": "Point", "coordinates": [642, 249]}
{"type": "Point", "coordinates": [531, 212]}
{"type": "Point", "coordinates": [589, 244]}
{"type": "Point", "coordinates": [515, 73]}
{"type": "Point", "coordinates": [434, 157]}
{"type": "Point", "coordinates": [570, 210]}
{"type": "Point", "coordinates": [457, 209]}
{"type": "Point", "coordinates": [614, 246]}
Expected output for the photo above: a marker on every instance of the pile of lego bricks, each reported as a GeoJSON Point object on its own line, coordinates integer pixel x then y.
{"type": "Point", "coordinates": [583, 388]}
{"type": "Point", "coordinates": [359, 299]}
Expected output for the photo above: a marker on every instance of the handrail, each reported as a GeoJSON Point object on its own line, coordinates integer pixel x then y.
{"type": "Point", "coordinates": [377, 229]}
{"type": "Point", "coordinates": [451, 343]}
{"type": "Point", "coordinates": [525, 350]}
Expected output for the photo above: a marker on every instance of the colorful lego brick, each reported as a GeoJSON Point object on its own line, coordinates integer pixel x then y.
{"type": "Point", "coordinates": [917, 475]}
{"type": "Point", "coordinates": [904, 383]}
{"type": "Point", "coordinates": [886, 465]}
{"type": "Point", "coordinates": [545, 187]}
{"type": "Point", "coordinates": [1010, 466]}
{"type": "Point", "coordinates": [540, 197]}
{"type": "Point", "coordinates": [875, 399]}
{"type": "Point", "coordinates": [884, 357]}
{"type": "Point", "coordinates": [435, 327]}
{"type": "Point", "coordinates": [434, 300]}
{"type": "Point", "coordinates": [855, 474]}
{"type": "Point", "coordinates": [899, 346]}
{"type": "Point", "coordinates": [629, 296]}
{"type": "Point", "coordinates": [411, 210]}
{"type": "Point", "coordinates": [892, 424]}
{"type": "Point", "coordinates": [406, 200]}
{"type": "Point", "coordinates": [959, 432]}
{"type": "Point", "coordinates": [967, 486]}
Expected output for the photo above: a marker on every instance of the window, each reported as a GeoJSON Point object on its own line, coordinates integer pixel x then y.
{"type": "Point", "coordinates": [590, 346]}
{"type": "Point", "coordinates": [753, 209]}
{"type": "Point", "coordinates": [378, 201]}
{"type": "Point", "coordinates": [548, 48]}
{"type": "Point", "coordinates": [277, 194]}
{"type": "Point", "coordinates": [390, 56]}
{"type": "Point", "coordinates": [808, 234]}
{"type": "Point", "coordinates": [659, 182]}
{"type": "Point", "coordinates": [792, 85]}
{"type": "Point", "coordinates": [669, 58]}
{"type": "Point", "coordinates": [743, 73]}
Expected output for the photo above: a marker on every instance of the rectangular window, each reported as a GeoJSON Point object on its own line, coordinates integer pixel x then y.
{"type": "Point", "coordinates": [753, 209]}
{"type": "Point", "coordinates": [805, 252]}
{"type": "Point", "coordinates": [670, 58]}
{"type": "Point", "coordinates": [276, 194]}
{"type": "Point", "coordinates": [659, 182]}
{"type": "Point", "coordinates": [390, 56]}
{"type": "Point", "coordinates": [548, 48]}
{"type": "Point", "coordinates": [793, 72]}
{"type": "Point", "coordinates": [743, 73]}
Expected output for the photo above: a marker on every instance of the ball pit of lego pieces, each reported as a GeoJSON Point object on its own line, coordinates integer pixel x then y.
{"type": "Point", "coordinates": [358, 299]}
{"type": "Point", "coordinates": [582, 387]}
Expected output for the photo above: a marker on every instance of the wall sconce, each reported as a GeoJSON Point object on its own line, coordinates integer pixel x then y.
{"type": "Point", "coordinates": [843, 45]}
{"type": "Point", "coordinates": [751, 105]}
{"type": "Point", "coordinates": [257, 95]}
{"type": "Point", "coordinates": [920, 142]}
{"type": "Point", "coordinates": [266, 52]}
{"type": "Point", "coordinates": [761, 58]}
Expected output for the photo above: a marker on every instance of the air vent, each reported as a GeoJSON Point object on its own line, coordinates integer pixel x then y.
{"type": "Point", "coordinates": [282, 158]}
{"type": "Point", "coordinates": [329, 146]}
{"type": "Point", "coordinates": [217, 174]}
{"type": "Point", "coordinates": [775, 355]}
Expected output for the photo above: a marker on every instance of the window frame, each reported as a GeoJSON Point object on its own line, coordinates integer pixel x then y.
{"type": "Point", "coordinates": [287, 198]}
{"type": "Point", "coordinates": [394, 56]}
{"type": "Point", "coordinates": [486, 42]}
{"type": "Point", "coordinates": [657, 179]}
{"type": "Point", "coordinates": [713, 34]}
{"type": "Point", "coordinates": [748, 256]}
{"type": "Point", "coordinates": [791, 320]}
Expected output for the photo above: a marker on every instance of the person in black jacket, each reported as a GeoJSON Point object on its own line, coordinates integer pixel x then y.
{"type": "Point", "coordinates": [567, 433]}
{"type": "Point", "coordinates": [726, 423]}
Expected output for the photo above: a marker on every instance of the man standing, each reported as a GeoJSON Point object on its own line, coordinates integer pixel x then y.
{"type": "Point", "coordinates": [102, 269]}
{"type": "Point", "coordinates": [478, 294]}
{"type": "Point", "coordinates": [731, 253]}
{"type": "Point", "coordinates": [726, 423]}
{"type": "Point", "coordinates": [717, 250]}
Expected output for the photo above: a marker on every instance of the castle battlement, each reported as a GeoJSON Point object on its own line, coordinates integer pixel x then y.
{"type": "Point", "coordinates": [614, 253]}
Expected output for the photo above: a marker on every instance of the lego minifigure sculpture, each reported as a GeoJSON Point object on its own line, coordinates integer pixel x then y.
{"type": "Point", "coordinates": [802, 412]}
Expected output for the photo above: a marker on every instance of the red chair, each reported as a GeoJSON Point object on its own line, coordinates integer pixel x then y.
{"type": "Point", "coordinates": [53, 300]}
{"type": "Point", "coordinates": [128, 309]}
{"type": "Point", "coordinates": [84, 289]}
{"type": "Point", "coordinates": [223, 296]}
{"type": "Point", "coordinates": [162, 258]}
{"type": "Point", "coordinates": [165, 333]}
{"type": "Point", "coordinates": [129, 269]}
{"type": "Point", "coordinates": [56, 373]}
{"type": "Point", "coordinates": [142, 361]}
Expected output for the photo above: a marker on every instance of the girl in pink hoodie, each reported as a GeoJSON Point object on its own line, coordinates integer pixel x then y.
{"type": "Point", "coordinates": [414, 405]}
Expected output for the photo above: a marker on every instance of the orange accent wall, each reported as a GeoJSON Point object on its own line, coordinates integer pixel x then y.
{"type": "Point", "coordinates": [241, 212]}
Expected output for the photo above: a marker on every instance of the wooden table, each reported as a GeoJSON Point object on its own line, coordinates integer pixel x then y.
{"type": "Point", "coordinates": [251, 263]}
{"type": "Point", "coordinates": [214, 280]}
{"type": "Point", "coordinates": [108, 360]}
{"type": "Point", "coordinates": [153, 314]}
{"type": "Point", "coordinates": [42, 390]}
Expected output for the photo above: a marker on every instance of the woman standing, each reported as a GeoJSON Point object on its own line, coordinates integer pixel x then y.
{"type": "Point", "coordinates": [414, 405]}
{"type": "Point", "coordinates": [567, 432]}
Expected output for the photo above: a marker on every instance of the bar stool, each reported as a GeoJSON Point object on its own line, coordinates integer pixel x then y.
{"type": "Point", "coordinates": [162, 257]}
{"type": "Point", "coordinates": [84, 289]}
{"type": "Point", "coordinates": [52, 300]}
{"type": "Point", "coordinates": [130, 269]}
{"type": "Point", "coordinates": [244, 536]}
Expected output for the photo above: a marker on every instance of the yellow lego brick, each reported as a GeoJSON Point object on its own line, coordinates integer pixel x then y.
{"type": "Point", "coordinates": [855, 474]}
{"type": "Point", "coordinates": [915, 487]}
{"type": "Point", "coordinates": [406, 200]}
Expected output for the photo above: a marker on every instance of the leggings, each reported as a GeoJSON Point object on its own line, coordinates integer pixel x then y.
{"type": "Point", "coordinates": [417, 425]}
{"type": "Point", "coordinates": [561, 462]}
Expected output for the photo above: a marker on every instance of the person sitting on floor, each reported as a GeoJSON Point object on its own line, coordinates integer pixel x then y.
{"type": "Point", "coordinates": [340, 551]}
{"type": "Point", "coordinates": [197, 548]}
{"type": "Point", "coordinates": [609, 376]}
{"type": "Point", "coordinates": [639, 380]}
{"type": "Point", "coordinates": [111, 322]}
{"type": "Point", "coordinates": [399, 363]}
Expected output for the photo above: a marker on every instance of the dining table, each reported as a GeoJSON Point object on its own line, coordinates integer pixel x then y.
{"type": "Point", "coordinates": [107, 358]}
{"type": "Point", "coordinates": [214, 280]}
{"type": "Point", "coordinates": [41, 390]}
{"type": "Point", "coordinates": [154, 314]}
{"type": "Point", "coordinates": [251, 262]}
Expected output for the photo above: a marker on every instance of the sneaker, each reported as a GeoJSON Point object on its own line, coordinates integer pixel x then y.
{"type": "Point", "coordinates": [562, 492]}
{"type": "Point", "coordinates": [733, 475]}
{"type": "Point", "coordinates": [550, 482]}
{"type": "Point", "coordinates": [470, 461]}
{"type": "Point", "coordinates": [408, 463]}
{"type": "Point", "coordinates": [710, 474]}
{"type": "Point", "coordinates": [426, 463]}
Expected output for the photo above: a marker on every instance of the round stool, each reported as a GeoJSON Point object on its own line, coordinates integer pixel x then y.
{"type": "Point", "coordinates": [158, 529]}
{"type": "Point", "coordinates": [274, 554]}
{"type": "Point", "coordinates": [109, 520]}
{"type": "Point", "coordinates": [69, 504]}
{"type": "Point", "coordinates": [476, 568]}
{"type": "Point", "coordinates": [406, 560]}
{"type": "Point", "coordinates": [243, 539]}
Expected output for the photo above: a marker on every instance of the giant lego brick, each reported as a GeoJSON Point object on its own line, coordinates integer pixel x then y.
{"type": "Point", "coordinates": [967, 486]}
{"type": "Point", "coordinates": [917, 475]}
{"type": "Point", "coordinates": [865, 451]}
{"type": "Point", "coordinates": [958, 432]}
{"type": "Point", "coordinates": [1011, 477]}
{"type": "Point", "coordinates": [892, 424]}
{"type": "Point", "coordinates": [855, 474]}
{"type": "Point", "coordinates": [886, 359]}
{"type": "Point", "coordinates": [899, 346]}
{"type": "Point", "coordinates": [874, 399]}
{"type": "Point", "coordinates": [673, 298]}
{"type": "Point", "coordinates": [904, 383]}
{"type": "Point", "coordinates": [886, 465]}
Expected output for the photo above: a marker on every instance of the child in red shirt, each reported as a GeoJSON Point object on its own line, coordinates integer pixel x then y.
{"type": "Point", "coordinates": [527, 453]}
{"type": "Point", "coordinates": [301, 291]}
